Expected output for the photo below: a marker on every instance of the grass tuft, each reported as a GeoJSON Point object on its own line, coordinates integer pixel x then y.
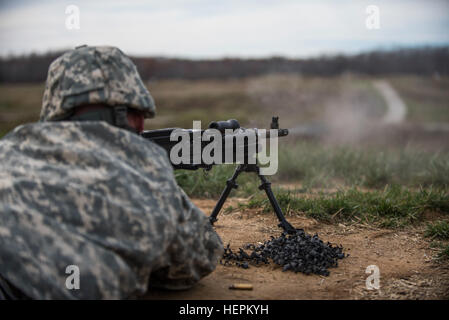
{"type": "Point", "coordinates": [444, 253]}
{"type": "Point", "coordinates": [438, 230]}
{"type": "Point", "coordinates": [392, 207]}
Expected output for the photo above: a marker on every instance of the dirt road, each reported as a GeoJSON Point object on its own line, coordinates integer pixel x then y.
{"type": "Point", "coordinates": [396, 108]}
{"type": "Point", "coordinates": [407, 270]}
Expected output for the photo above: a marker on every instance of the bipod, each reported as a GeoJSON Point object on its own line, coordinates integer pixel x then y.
{"type": "Point", "coordinates": [266, 186]}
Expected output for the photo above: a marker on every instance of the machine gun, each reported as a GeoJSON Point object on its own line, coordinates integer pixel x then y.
{"type": "Point", "coordinates": [230, 130]}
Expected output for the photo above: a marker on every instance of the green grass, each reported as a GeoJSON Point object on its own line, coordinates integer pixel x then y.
{"type": "Point", "coordinates": [317, 165]}
{"type": "Point", "coordinates": [392, 207]}
{"type": "Point", "coordinates": [210, 184]}
{"type": "Point", "coordinates": [438, 230]}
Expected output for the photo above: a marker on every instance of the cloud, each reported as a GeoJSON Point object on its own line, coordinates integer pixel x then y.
{"type": "Point", "coordinates": [200, 28]}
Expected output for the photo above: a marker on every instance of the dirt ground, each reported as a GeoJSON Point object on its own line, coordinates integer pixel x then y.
{"type": "Point", "coordinates": [405, 260]}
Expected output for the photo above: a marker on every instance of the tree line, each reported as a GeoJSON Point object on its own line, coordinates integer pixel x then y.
{"type": "Point", "coordinates": [423, 61]}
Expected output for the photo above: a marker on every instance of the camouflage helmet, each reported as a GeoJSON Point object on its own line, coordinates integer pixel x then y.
{"type": "Point", "coordinates": [91, 75]}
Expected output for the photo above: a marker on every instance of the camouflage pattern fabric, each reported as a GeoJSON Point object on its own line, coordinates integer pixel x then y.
{"type": "Point", "coordinates": [103, 199]}
{"type": "Point", "coordinates": [90, 75]}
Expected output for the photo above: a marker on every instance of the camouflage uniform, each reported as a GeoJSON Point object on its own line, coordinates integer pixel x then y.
{"type": "Point", "coordinates": [101, 198]}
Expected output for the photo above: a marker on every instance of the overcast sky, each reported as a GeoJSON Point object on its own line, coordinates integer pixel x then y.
{"type": "Point", "coordinates": [218, 28]}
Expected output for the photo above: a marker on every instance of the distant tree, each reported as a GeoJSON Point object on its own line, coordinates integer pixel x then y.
{"type": "Point", "coordinates": [423, 61]}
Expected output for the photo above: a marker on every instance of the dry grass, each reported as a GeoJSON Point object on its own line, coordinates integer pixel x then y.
{"type": "Point", "coordinates": [427, 98]}
{"type": "Point", "coordinates": [254, 100]}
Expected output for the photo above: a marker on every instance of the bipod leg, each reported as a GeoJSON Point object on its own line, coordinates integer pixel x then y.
{"type": "Point", "coordinates": [230, 184]}
{"type": "Point", "coordinates": [266, 185]}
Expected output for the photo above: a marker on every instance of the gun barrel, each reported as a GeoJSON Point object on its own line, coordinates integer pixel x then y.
{"type": "Point", "coordinates": [248, 148]}
{"type": "Point", "coordinates": [280, 133]}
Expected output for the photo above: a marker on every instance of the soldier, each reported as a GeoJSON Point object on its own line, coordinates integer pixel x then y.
{"type": "Point", "coordinates": [88, 208]}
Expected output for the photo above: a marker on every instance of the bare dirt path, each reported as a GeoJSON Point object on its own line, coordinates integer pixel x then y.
{"type": "Point", "coordinates": [396, 108]}
{"type": "Point", "coordinates": [407, 270]}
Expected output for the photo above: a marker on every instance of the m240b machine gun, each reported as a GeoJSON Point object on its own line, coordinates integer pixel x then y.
{"type": "Point", "coordinates": [249, 149]}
